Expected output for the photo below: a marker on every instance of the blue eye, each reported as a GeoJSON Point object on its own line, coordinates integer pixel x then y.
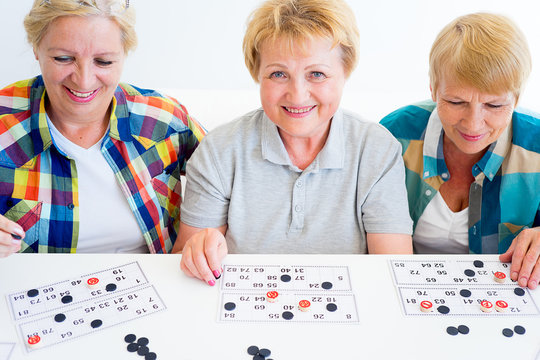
{"type": "Point", "coordinates": [277, 75]}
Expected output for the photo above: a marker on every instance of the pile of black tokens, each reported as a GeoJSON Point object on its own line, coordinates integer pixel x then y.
{"type": "Point", "coordinates": [259, 354]}
{"type": "Point", "coordinates": [140, 346]}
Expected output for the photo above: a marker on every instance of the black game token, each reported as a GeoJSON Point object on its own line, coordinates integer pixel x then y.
{"type": "Point", "coordinates": [478, 264]}
{"type": "Point", "coordinates": [132, 347]}
{"type": "Point", "coordinates": [327, 285]}
{"type": "Point", "coordinates": [32, 293]}
{"type": "Point", "coordinates": [451, 330]}
{"type": "Point", "coordinates": [258, 357]}
{"type": "Point", "coordinates": [465, 293]}
{"type": "Point", "coordinates": [285, 278]}
{"type": "Point", "coordinates": [129, 338]}
{"type": "Point", "coordinates": [519, 291]}
{"type": "Point", "coordinates": [230, 306]}
{"type": "Point", "coordinates": [150, 356]}
{"type": "Point", "coordinates": [96, 323]}
{"type": "Point", "coordinates": [463, 329]}
{"type": "Point", "coordinates": [520, 330]}
{"type": "Point", "coordinates": [443, 309]}
{"type": "Point", "coordinates": [331, 307]}
{"type": "Point", "coordinates": [265, 352]}
{"type": "Point", "coordinates": [110, 287]}
{"type": "Point", "coordinates": [143, 350]}
{"type": "Point", "coordinates": [143, 341]}
{"type": "Point", "coordinates": [287, 315]}
{"type": "Point", "coordinates": [59, 317]}
{"type": "Point", "coordinates": [253, 350]}
{"type": "Point", "coordinates": [507, 332]}
{"type": "Point", "coordinates": [469, 272]}
{"type": "Point", "coordinates": [67, 299]}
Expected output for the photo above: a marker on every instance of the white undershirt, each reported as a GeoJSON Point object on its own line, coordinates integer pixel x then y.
{"type": "Point", "coordinates": [441, 231]}
{"type": "Point", "coordinates": [106, 222]}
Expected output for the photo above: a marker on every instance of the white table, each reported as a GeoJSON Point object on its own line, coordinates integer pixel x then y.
{"type": "Point", "coordinates": [188, 328]}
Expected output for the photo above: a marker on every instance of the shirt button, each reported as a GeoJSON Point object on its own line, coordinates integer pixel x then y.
{"type": "Point", "coordinates": [426, 174]}
{"type": "Point", "coordinates": [70, 206]}
{"type": "Point", "coordinates": [428, 192]}
{"type": "Point", "coordinates": [444, 175]}
{"type": "Point", "coordinates": [298, 208]}
{"type": "Point", "coordinates": [299, 183]}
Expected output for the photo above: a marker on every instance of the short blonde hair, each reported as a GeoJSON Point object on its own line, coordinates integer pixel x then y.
{"type": "Point", "coordinates": [300, 20]}
{"type": "Point", "coordinates": [43, 13]}
{"type": "Point", "coordinates": [482, 50]}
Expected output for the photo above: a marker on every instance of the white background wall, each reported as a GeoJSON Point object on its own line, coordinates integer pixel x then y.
{"type": "Point", "coordinates": [192, 50]}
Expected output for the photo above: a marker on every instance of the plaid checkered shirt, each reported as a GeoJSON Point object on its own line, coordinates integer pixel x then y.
{"type": "Point", "coordinates": [149, 141]}
{"type": "Point", "coordinates": [505, 196]}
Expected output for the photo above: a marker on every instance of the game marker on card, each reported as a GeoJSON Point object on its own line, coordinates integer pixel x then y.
{"type": "Point", "coordinates": [92, 283]}
{"type": "Point", "coordinates": [34, 342]}
{"type": "Point", "coordinates": [499, 277]}
{"type": "Point", "coordinates": [304, 305]}
{"type": "Point", "coordinates": [272, 296]}
{"type": "Point", "coordinates": [426, 306]}
{"type": "Point", "coordinates": [501, 306]}
{"type": "Point", "coordinates": [486, 306]}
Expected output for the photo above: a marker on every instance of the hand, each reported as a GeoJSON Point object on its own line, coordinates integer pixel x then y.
{"type": "Point", "coordinates": [524, 252]}
{"type": "Point", "coordinates": [202, 255]}
{"type": "Point", "coordinates": [11, 234]}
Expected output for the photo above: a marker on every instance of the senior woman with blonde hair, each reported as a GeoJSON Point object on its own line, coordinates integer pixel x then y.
{"type": "Point", "coordinates": [299, 175]}
{"type": "Point", "coordinates": [88, 164]}
{"type": "Point", "coordinates": [472, 158]}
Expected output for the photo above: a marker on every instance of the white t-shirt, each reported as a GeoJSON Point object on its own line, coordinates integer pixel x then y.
{"type": "Point", "coordinates": [106, 222]}
{"type": "Point", "coordinates": [440, 230]}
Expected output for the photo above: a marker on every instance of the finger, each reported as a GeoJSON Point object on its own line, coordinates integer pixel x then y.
{"type": "Point", "coordinates": [506, 257]}
{"type": "Point", "coordinates": [535, 276]}
{"type": "Point", "coordinates": [199, 257]}
{"type": "Point", "coordinates": [188, 264]}
{"type": "Point", "coordinates": [11, 227]}
{"type": "Point", "coordinates": [520, 249]}
{"type": "Point", "coordinates": [215, 250]}
{"type": "Point", "coordinates": [530, 261]}
{"type": "Point", "coordinates": [183, 266]}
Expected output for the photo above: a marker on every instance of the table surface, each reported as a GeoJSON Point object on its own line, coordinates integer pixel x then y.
{"type": "Point", "coordinates": [188, 328]}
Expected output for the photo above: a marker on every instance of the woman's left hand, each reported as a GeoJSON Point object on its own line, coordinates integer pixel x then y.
{"type": "Point", "coordinates": [524, 253]}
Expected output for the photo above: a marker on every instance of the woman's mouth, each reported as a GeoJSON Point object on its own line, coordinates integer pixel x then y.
{"type": "Point", "coordinates": [81, 97]}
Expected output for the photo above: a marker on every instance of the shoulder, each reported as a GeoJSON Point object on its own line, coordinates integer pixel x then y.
{"type": "Point", "coordinates": [526, 129]}
{"type": "Point", "coordinates": [409, 122]}
{"type": "Point", "coordinates": [17, 97]}
{"type": "Point", "coordinates": [357, 128]}
{"type": "Point", "coordinates": [240, 131]}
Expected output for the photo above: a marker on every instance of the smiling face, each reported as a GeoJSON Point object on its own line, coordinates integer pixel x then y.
{"type": "Point", "coordinates": [472, 120]}
{"type": "Point", "coordinates": [301, 91]}
{"type": "Point", "coordinates": [81, 59]}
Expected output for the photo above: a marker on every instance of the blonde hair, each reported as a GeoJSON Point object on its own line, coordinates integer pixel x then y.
{"type": "Point", "coordinates": [43, 13]}
{"type": "Point", "coordinates": [482, 50]}
{"type": "Point", "coordinates": [301, 20]}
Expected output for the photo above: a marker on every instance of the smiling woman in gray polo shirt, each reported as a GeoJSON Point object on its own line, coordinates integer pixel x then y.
{"type": "Point", "coordinates": [299, 175]}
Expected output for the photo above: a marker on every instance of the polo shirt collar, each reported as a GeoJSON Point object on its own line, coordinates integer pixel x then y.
{"type": "Point", "coordinates": [330, 157]}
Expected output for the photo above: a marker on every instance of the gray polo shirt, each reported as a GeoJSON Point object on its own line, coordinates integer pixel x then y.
{"type": "Point", "coordinates": [242, 176]}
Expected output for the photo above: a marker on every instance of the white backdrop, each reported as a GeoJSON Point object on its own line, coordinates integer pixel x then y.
{"type": "Point", "coordinates": [192, 50]}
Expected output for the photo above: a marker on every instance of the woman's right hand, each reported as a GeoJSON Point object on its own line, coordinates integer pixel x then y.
{"type": "Point", "coordinates": [11, 235]}
{"type": "Point", "coordinates": [202, 255]}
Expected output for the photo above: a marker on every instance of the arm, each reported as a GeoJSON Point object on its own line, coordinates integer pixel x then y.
{"type": "Point", "coordinates": [524, 253]}
{"type": "Point", "coordinates": [389, 244]}
{"type": "Point", "coordinates": [202, 251]}
{"type": "Point", "coordinates": [11, 234]}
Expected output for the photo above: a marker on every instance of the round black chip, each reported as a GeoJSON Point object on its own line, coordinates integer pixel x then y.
{"type": "Point", "coordinates": [32, 293]}
{"type": "Point", "coordinates": [287, 315]}
{"type": "Point", "coordinates": [253, 350]}
{"type": "Point", "coordinates": [327, 285]}
{"type": "Point", "coordinates": [519, 291]}
{"type": "Point", "coordinates": [143, 341]}
{"type": "Point", "coordinates": [463, 329]}
{"type": "Point", "coordinates": [150, 356]}
{"type": "Point", "coordinates": [465, 292]}
{"type": "Point", "coordinates": [258, 357]}
{"type": "Point", "coordinates": [265, 352]}
{"type": "Point", "coordinates": [451, 330]}
{"type": "Point", "coordinates": [143, 350]}
{"type": "Point", "coordinates": [520, 330]}
{"type": "Point", "coordinates": [59, 317]}
{"type": "Point", "coordinates": [443, 309]}
{"type": "Point", "coordinates": [230, 306]}
{"type": "Point", "coordinates": [469, 272]}
{"type": "Point", "coordinates": [110, 287]}
{"type": "Point", "coordinates": [129, 338]}
{"type": "Point", "coordinates": [96, 323]}
{"type": "Point", "coordinates": [507, 332]}
{"type": "Point", "coordinates": [132, 347]}
{"type": "Point", "coordinates": [67, 299]}
{"type": "Point", "coordinates": [478, 263]}
{"type": "Point", "coordinates": [285, 278]}
{"type": "Point", "coordinates": [331, 307]}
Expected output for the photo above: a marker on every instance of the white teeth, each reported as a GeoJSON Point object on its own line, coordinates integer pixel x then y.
{"type": "Point", "coordinates": [299, 111]}
{"type": "Point", "coordinates": [81, 95]}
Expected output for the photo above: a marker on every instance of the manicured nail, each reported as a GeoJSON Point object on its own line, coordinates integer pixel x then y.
{"type": "Point", "coordinates": [514, 275]}
{"type": "Point", "coordinates": [16, 238]}
{"type": "Point", "coordinates": [217, 274]}
{"type": "Point", "coordinates": [211, 282]}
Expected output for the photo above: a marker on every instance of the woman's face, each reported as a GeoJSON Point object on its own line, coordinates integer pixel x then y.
{"type": "Point", "coordinates": [301, 91]}
{"type": "Point", "coordinates": [81, 59]}
{"type": "Point", "coordinates": [471, 119]}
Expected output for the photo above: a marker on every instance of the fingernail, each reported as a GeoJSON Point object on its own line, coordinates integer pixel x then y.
{"type": "Point", "coordinates": [532, 284]}
{"type": "Point", "coordinates": [211, 282]}
{"type": "Point", "coordinates": [18, 232]}
{"type": "Point", "coordinates": [514, 275]}
{"type": "Point", "coordinates": [217, 274]}
{"type": "Point", "coordinates": [523, 282]}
